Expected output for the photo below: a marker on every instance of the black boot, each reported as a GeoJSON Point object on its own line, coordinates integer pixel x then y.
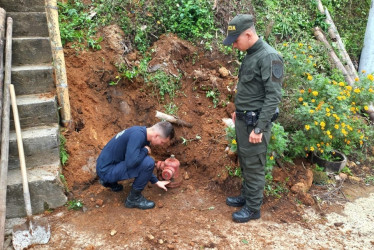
{"type": "Point", "coordinates": [114, 186]}
{"type": "Point", "coordinates": [137, 200]}
{"type": "Point", "coordinates": [245, 214]}
{"type": "Point", "coordinates": [235, 201]}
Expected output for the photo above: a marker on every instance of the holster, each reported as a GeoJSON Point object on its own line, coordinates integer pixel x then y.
{"type": "Point", "coordinates": [249, 117]}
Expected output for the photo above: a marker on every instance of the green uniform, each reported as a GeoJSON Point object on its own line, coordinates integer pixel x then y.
{"type": "Point", "coordinates": [259, 89]}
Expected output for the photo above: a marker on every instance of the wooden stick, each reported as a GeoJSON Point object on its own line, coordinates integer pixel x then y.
{"type": "Point", "coordinates": [334, 34]}
{"type": "Point", "coordinates": [5, 129]}
{"type": "Point", "coordinates": [172, 119]}
{"type": "Point", "coordinates": [2, 36]}
{"type": "Point", "coordinates": [21, 152]}
{"type": "Point", "coordinates": [58, 62]}
{"type": "Point", "coordinates": [338, 64]}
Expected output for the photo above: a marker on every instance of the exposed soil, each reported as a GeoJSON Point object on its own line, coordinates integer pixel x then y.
{"type": "Point", "coordinates": [194, 215]}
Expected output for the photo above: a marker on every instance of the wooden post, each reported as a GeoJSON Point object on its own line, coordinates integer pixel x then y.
{"type": "Point", "coordinates": [5, 128]}
{"type": "Point", "coordinates": [338, 64]}
{"type": "Point", "coordinates": [2, 39]}
{"type": "Point", "coordinates": [334, 34]}
{"type": "Point", "coordinates": [58, 62]}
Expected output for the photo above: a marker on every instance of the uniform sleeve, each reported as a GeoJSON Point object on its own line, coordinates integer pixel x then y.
{"type": "Point", "coordinates": [135, 152]}
{"type": "Point", "coordinates": [153, 179]}
{"type": "Point", "coordinates": [272, 77]}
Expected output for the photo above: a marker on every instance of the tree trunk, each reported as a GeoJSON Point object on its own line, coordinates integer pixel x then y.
{"type": "Point", "coordinates": [172, 119]}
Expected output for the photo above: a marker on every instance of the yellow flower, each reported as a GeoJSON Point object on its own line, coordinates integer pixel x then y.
{"type": "Point", "coordinates": [322, 124]}
{"type": "Point", "coordinates": [370, 90]}
{"type": "Point", "coordinates": [158, 22]}
{"type": "Point", "coordinates": [353, 103]}
{"type": "Point", "coordinates": [318, 145]}
{"type": "Point", "coordinates": [271, 157]}
{"type": "Point", "coordinates": [361, 142]}
{"type": "Point", "coordinates": [309, 47]}
{"type": "Point", "coordinates": [315, 93]}
{"type": "Point", "coordinates": [363, 71]}
{"type": "Point", "coordinates": [328, 132]}
{"type": "Point", "coordinates": [310, 77]}
{"type": "Point", "coordinates": [285, 44]}
{"type": "Point", "coordinates": [294, 57]}
{"type": "Point", "coordinates": [330, 136]}
{"type": "Point", "coordinates": [328, 114]}
{"type": "Point", "coordinates": [352, 109]}
{"type": "Point", "coordinates": [307, 127]}
{"type": "Point", "coordinates": [349, 88]}
{"type": "Point", "coordinates": [310, 56]}
{"type": "Point", "coordinates": [357, 90]}
{"type": "Point", "coordinates": [357, 79]}
{"type": "Point", "coordinates": [336, 126]}
{"type": "Point", "coordinates": [370, 77]}
{"type": "Point", "coordinates": [348, 141]}
{"type": "Point", "coordinates": [341, 84]}
{"type": "Point", "coordinates": [313, 100]}
{"type": "Point", "coordinates": [233, 141]}
{"type": "Point", "coordinates": [312, 148]}
{"type": "Point", "coordinates": [302, 91]}
{"type": "Point", "coordinates": [300, 99]}
{"type": "Point", "coordinates": [327, 110]}
{"type": "Point", "coordinates": [301, 45]}
{"type": "Point", "coordinates": [311, 111]}
{"type": "Point", "coordinates": [343, 124]}
{"type": "Point", "coordinates": [366, 107]}
{"type": "Point", "coordinates": [316, 123]}
{"type": "Point", "coordinates": [305, 103]}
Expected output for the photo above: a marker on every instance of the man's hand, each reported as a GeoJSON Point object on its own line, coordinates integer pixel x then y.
{"type": "Point", "coordinates": [233, 117]}
{"type": "Point", "coordinates": [255, 138]}
{"type": "Point", "coordinates": [162, 184]}
{"type": "Point", "coordinates": [149, 149]}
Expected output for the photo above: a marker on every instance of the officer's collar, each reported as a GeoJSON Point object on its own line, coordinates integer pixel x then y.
{"type": "Point", "coordinates": [258, 44]}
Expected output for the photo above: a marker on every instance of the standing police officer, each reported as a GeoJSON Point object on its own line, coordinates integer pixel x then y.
{"type": "Point", "coordinates": [258, 95]}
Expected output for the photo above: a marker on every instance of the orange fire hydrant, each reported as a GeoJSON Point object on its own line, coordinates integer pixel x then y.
{"type": "Point", "coordinates": [168, 170]}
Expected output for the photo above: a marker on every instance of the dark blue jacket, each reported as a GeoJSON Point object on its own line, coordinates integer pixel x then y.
{"type": "Point", "coordinates": [125, 150]}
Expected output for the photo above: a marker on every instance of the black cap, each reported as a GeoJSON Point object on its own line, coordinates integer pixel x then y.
{"type": "Point", "coordinates": [236, 26]}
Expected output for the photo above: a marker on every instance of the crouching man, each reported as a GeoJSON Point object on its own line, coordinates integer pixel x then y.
{"type": "Point", "coordinates": [126, 156]}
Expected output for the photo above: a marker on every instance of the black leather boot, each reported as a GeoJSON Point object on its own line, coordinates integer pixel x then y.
{"type": "Point", "coordinates": [137, 200]}
{"type": "Point", "coordinates": [235, 201]}
{"type": "Point", "coordinates": [245, 214]}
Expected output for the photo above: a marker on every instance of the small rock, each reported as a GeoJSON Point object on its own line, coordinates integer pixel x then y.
{"type": "Point", "coordinates": [338, 224]}
{"type": "Point", "coordinates": [160, 205]}
{"type": "Point", "coordinates": [170, 246]}
{"type": "Point", "coordinates": [92, 199]}
{"type": "Point", "coordinates": [151, 237]}
{"type": "Point", "coordinates": [132, 56]}
{"type": "Point", "coordinates": [354, 179]}
{"type": "Point", "coordinates": [192, 244]}
{"type": "Point", "coordinates": [189, 187]}
{"type": "Point", "coordinates": [343, 176]}
{"type": "Point", "coordinates": [160, 241]}
{"type": "Point", "coordinates": [223, 72]}
{"type": "Point", "coordinates": [186, 176]}
{"type": "Point", "coordinates": [99, 202]}
{"type": "Point", "coordinates": [113, 232]}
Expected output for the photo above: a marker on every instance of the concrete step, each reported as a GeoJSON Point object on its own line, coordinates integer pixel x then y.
{"type": "Point", "coordinates": [29, 24]}
{"type": "Point", "coordinates": [36, 110]}
{"type": "Point", "coordinates": [46, 190]}
{"type": "Point", "coordinates": [31, 50]}
{"type": "Point", "coordinates": [41, 159]}
{"type": "Point", "coordinates": [33, 79]}
{"type": "Point", "coordinates": [36, 141]}
{"type": "Point", "coordinates": [22, 5]}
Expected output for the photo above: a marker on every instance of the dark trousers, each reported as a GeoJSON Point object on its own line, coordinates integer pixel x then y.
{"type": "Point", "coordinates": [252, 159]}
{"type": "Point", "coordinates": [142, 173]}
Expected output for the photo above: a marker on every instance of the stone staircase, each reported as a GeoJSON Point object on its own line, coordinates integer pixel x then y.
{"type": "Point", "coordinates": [32, 76]}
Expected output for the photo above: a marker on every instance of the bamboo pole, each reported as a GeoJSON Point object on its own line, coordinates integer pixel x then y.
{"type": "Point", "coordinates": [338, 64]}
{"type": "Point", "coordinates": [5, 129]}
{"type": "Point", "coordinates": [58, 62]}
{"type": "Point", "coordinates": [334, 34]}
{"type": "Point", "coordinates": [2, 38]}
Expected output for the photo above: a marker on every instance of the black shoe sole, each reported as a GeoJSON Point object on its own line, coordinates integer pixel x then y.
{"type": "Point", "coordinates": [235, 204]}
{"type": "Point", "coordinates": [246, 219]}
{"type": "Point", "coordinates": [134, 206]}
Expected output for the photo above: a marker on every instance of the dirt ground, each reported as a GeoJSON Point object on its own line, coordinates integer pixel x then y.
{"type": "Point", "coordinates": [194, 215]}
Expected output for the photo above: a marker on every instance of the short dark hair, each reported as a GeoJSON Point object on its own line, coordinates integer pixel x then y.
{"type": "Point", "coordinates": [166, 128]}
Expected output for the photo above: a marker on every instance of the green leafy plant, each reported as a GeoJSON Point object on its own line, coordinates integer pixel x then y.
{"type": "Point", "coordinates": [64, 156]}
{"type": "Point", "coordinates": [75, 204]}
{"type": "Point", "coordinates": [166, 84]}
{"type": "Point", "coordinates": [275, 189]}
{"type": "Point", "coordinates": [234, 171]}
{"type": "Point", "coordinates": [231, 138]}
{"type": "Point", "coordinates": [347, 171]}
{"type": "Point", "coordinates": [64, 182]}
{"type": "Point", "coordinates": [214, 94]}
{"type": "Point", "coordinates": [277, 147]}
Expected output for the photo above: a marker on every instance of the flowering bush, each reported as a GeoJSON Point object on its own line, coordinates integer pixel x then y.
{"type": "Point", "coordinates": [329, 114]}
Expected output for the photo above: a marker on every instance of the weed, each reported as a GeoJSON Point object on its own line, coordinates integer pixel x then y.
{"type": "Point", "coordinates": [186, 141]}
{"type": "Point", "coordinates": [275, 189]}
{"type": "Point", "coordinates": [171, 108]}
{"type": "Point", "coordinates": [214, 94]}
{"type": "Point", "coordinates": [234, 171]}
{"type": "Point", "coordinates": [369, 179]}
{"type": "Point", "coordinates": [64, 182]}
{"type": "Point", "coordinates": [347, 171]}
{"type": "Point", "coordinates": [75, 204]}
{"type": "Point", "coordinates": [64, 156]}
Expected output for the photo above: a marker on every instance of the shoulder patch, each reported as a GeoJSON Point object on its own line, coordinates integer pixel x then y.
{"type": "Point", "coordinates": [276, 70]}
